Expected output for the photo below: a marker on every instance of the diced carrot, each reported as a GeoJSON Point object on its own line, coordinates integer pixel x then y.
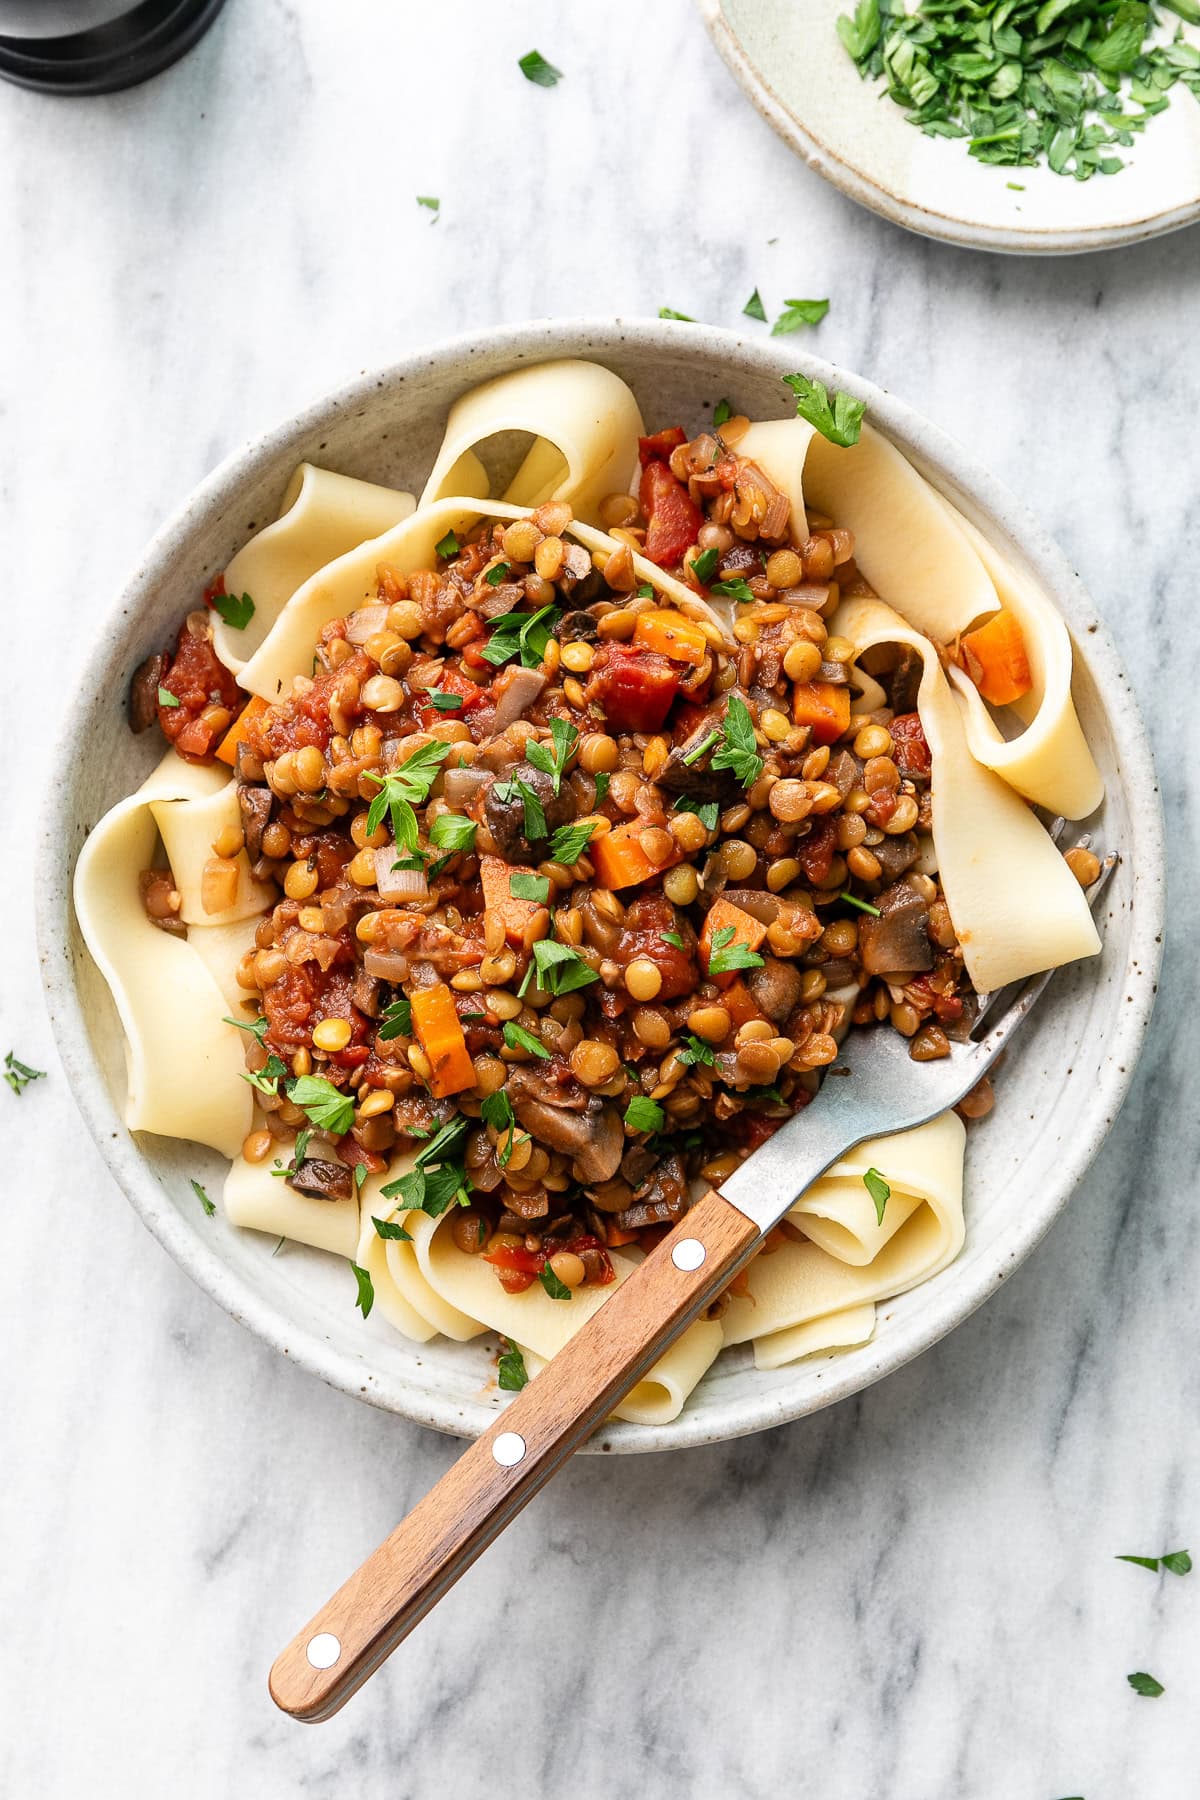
{"type": "Point", "coordinates": [995, 659]}
{"type": "Point", "coordinates": [498, 897]}
{"type": "Point", "coordinates": [747, 930]}
{"type": "Point", "coordinates": [825, 706]}
{"type": "Point", "coordinates": [739, 1003]}
{"type": "Point", "coordinates": [671, 635]}
{"type": "Point", "coordinates": [614, 1236]}
{"type": "Point", "coordinates": [227, 748]}
{"type": "Point", "coordinates": [440, 1035]}
{"type": "Point", "coordinates": [620, 861]}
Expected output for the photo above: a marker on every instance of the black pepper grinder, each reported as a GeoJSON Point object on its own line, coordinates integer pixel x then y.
{"type": "Point", "coordinates": [96, 46]}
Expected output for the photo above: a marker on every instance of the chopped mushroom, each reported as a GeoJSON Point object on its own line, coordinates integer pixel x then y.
{"type": "Point", "coordinates": [897, 941]}
{"type": "Point", "coordinates": [322, 1180]}
{"type": "Point", "coordinates": [143, 693]}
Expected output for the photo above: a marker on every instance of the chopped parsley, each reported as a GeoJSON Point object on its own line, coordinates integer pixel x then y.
{"type": "Point", "coordinates": [326, 1106]}
{"type": "Point", "coordinates": [693, 755]}
{"type": "Point", "coordinates": [360, 1175]}
{"type": "Point", "coordinates": [437, 1177]}
{"type": "Point", "coordinates": [443, 700]}
{"type": "Point", "coordinates": [404, 789]}
{"type": "Point", "coordinates": [511, 1371]}
{"type": "Point", "coordinates": [434, 205]}
{"type": "Point", "coordinates": [256, 1027]}
{"type": "Point", "coordinates": [645, 591]}
{"type": "Point", "coordinates": [739, 747]}
{"type": "Point", "coordinates": [725, 955]}
{"type": "Point", "coordinates": [202, 1197]}
{"type": "Point", "coordinates": [644, 1115]}
{"type": "Point", "coordinates": [862, 905]}
{"type": "Point", "coordinates": [602, 781]}
{"type": "Point", "coordinates": [448, 546]}
{"type": "Point", "coordinates": [673, 938]}
{"type": "Point", "coordinates": [521, 634]}
{"type": "Point", "coordinates": [704, 566]}
{"type": "Point", "coordinates": [557, 1290]}
{"type": "Point", "coordinates": [737, 589]}
{"type": "Point", "coordinates": [839, 420]}
{"type": "Point", "coordinates": [668, 312]}
{"type": "Point", "coordinates": [166, 697]}
{"type": "Point", "coordinates": [397, 1019]}
{"type": "Point", "coordinates": [451, 831]}
{"type": "Point", "coordinates": [391, 1228]}
{"type": "Point", "coordinates": [366, 1290]}
{"type": "Point", "coordinates": [754, 308]}
{"type": "Point", "coordinates": [570, 841]}
{"type": "Point", "coordinates": [879, 1190]}
{"type": "Point", "coordinates": [560, 969]}
{"type": "Point", "coordinates": [18, 1075]}
{"type": "Point", "coordinates": [695, 1050]}
{"type": "Point", "coordinates": [707, 811]}
{"type": "Point", "coordinates": [535, 68]}
{"type": "Point", "coordinates": [553, 762]}
{"type": "Point", "coordinates": [517, 1038]}
{"type": "Point", "coordinates": [1145, 1685]}
{"type": "Point", "coordinates": [496, 574]}
{"type": "Point", "coordinates": [523, 886]}
{"type": "Point", "coordinates": [1177, 1562]}
{"type": "Point", "coordinates": [535, 817]}
{"type": "Point", "coordinates": [798, 313]}
{"type": "Point", "coordinates": [266, 1079]}
{"type": "Point", "coordinates": [496, 1110]}
{"type": "Point", "coordinates": [721, 412]}
{"type": "Point", "coordinates": [236, 611]}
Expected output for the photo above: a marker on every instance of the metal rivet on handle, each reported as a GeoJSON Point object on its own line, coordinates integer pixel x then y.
{"type": "Point", "coordinates": [508, 1449]}
{"type": "Point", "coordinates": [688, 1253]}
{"type": "Point", "coordinates": [323, 1650]}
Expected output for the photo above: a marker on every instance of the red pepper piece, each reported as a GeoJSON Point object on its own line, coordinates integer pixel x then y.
{"type": "Point", "coordinates": [673, 519]}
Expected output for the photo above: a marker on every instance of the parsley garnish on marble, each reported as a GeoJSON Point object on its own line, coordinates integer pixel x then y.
{"type": "Point", "coordinates": [18, 1075]}
{"type": "Point", "coordinates": [535, 68]}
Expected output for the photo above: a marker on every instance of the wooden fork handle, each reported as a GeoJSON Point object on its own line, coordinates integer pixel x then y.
{"type": "Point", "coordinates": [489, 1484]}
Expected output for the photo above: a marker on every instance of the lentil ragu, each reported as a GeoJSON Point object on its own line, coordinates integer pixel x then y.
{"type": "Point", "coordinates": [556, 862]}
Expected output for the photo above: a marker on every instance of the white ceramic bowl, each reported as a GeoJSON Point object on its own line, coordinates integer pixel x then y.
{"type": "Point", "coordinates": [1057, 1097]}
{"type": "Point", "coordinates": [787, 57]}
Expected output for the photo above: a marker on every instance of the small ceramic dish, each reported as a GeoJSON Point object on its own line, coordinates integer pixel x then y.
{"type": "Point", "coordinates": [1057, 1098]}
{"type": "Point", "coordinates": [788, 58]}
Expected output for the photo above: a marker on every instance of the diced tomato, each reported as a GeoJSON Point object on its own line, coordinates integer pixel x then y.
{"type": "Point", "coordinates": [516, 1258]}
{"type": "Point", "coordinates": [659, 447]}
{"type": "Point", "coordinates": [815, 852]}
{"type": "Point", "coordinates": [642, 937]}
{"type": "Point", "coordinates": [910, 751]}
{"type": "Point", "coordinates": [673, 519]}
{"type": "Point", "coordinates": [196, 679]}
{"type": "Point", "coordinates": [453, 681]}
{"type": "Point", "coordinates": [635, 688]}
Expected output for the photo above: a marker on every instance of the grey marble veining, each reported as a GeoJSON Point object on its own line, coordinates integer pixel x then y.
{"type": "Point", "coordinates": [912, 1597]}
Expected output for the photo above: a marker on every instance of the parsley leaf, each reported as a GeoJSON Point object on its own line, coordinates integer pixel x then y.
{"type": "Point", "coordinates": [236, 612]}
{"type": "Point", "coordinates": [166, 698]}
{"type": "Point", "coordinates": [739, 748]}
{"type": "Point", "coordinates": [1178, 1562]}
{"type": "Point", "coordinates": [668, 312]}
{"type": "Point", "coordinates": [434, 205]}
{"type": "Point", "coordinates": [517, 1038]}
{"type": "Point", "coordinates": [397, 1020]}
{"type": "Point", "coordinates": [511, 1371]}
{"type": "Point", "coordinates": [1120, 44]}
{"type": "Point", "coordinates": [326, 1107]}
{"type": "Point", "coordinates": [448, 546]}
{"type": "Point", "coordinates": [725, 955]}
{"type": "Point", "coordinates": [521, 634]}
{"type": "Point", "coordinates": [495, 575]}
{"type": "Point", "coordinates": [754, 308]}
{"type": "Point", "coordinates": [704, 566]}
{"type": "Point", "coordinates": [553, 762]}
{"type": "Point", "coordinates": [798, 313]}
{"type": "Point", "coordinates": [861, 33]}
{"type": "Point", "coordinates": [266, 1079]}
{"type": "Point", "coordinates": [453, 832]}
{"type": "Point", "coordinates": [557, 1290]}
{"type": "Point", "coordinates": [18, 1075]}
{"type": "Point", "coordinates": [707, 811]}
{"type": "Point", "coordinates": [721, 412]}
{"type": "Point", "coordinates": [840, 422]}
{"type": "Point", "coordinates": [523, 886]}
{"type": "Point", "coordinates": [738, 589]}
{"type": "Point", "coordinates": [535, 68]}
{"type": "Point", "coordinates": [443, 700]}
{"type": "Point", "coordinates": [391, 1228]}
{"type": "Point", "coordinates": [879, 1190]}
{"type": "Point", "coordinates": [1145, 1685]}
{"type": "Point", "coordinates": [644, 1115]}
{"type": "Point", "coordinates": [560, 969]}
{"type": "Point", "coordinates": [535, 818]}
{"type": "Point", "coordinates": [203, 1198]}
{"type": "Point", "coordinates": [497, 1111]}
{"type": "Point", "coordinates": [366, 1290]}
{"type": "Point", "coordinates": [570, 841]}
{"type": "Point", "coordinates": [673, 938]}
{"type": "Point", "coordinates": [402, 790]}
{"type": "Point", "coordinates": [645, 591]}
{"type": "Point", "coordinates": [602, 781]}
{"type": "Point", "coordinates": [695, 1050]}
{"type": "Point", "coordinates": [256, 1027]}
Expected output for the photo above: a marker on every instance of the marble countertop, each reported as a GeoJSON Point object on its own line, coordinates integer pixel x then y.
{"type": "Point", "coordinates": [910, 1597]}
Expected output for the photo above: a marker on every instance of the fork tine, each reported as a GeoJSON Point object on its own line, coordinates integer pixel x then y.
{"type": "Point", "coordinates": [1010, 1016]}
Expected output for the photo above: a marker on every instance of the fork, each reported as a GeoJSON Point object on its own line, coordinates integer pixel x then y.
{"type": "Point", "coordinates": [549, 1419]}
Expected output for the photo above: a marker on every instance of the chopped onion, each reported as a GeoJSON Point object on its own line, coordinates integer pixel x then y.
{"type": "Point", "coordinates": [520, 692]}
{"type": "Point", "coordinates": [813, 594]}
{"type": "Point", "coordinates": [386, 965]}
{"type": "Point", "coordinates": [398, 884]}
{"type": "Point", "coordinates": [365, 622]}
{"type": "Point", "coordinates": [460, 786]}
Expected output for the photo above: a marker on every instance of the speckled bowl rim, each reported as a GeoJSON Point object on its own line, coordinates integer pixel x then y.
{"type": "Point", "coordinates": [905, 1338]}
{"type": "Point", "coordinates": [1015, 240]}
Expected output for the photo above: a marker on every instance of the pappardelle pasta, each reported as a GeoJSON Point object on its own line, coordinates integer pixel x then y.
{"type": "Point", "coordinates": [519, 860]}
